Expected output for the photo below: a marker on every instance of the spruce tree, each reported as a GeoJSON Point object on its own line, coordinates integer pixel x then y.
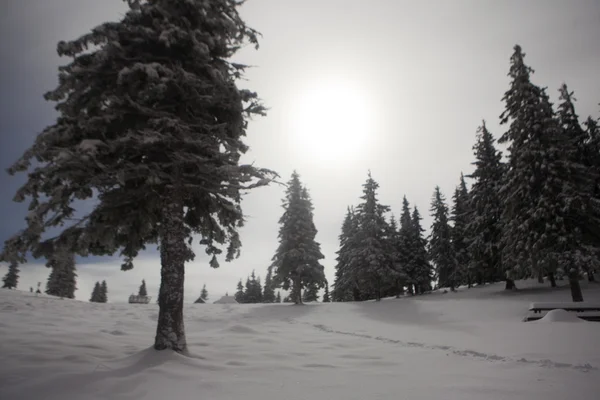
{"type": "Point", "coordinates": [239, 294]}
{"type": "Point", "coordinates": [204, 293]}
{"type": "Point", "coordinates": [278, 298]}
{"type": "Point", "coordinates": [420, 265]}
{"type": "Point", "coordinates": [151, 127]}
{"type": "Point", "coordinates": [344, 285]}
{"type": "Point", "coordinates": [268, 289]}
{"type": "Point", "coordinates": [396, 255]}
{"type": "Point", "coordinates": [460, 216]}
{"type": "Point", "coordinates": [142, 291]}
{"type": "Point", "coordinates": [11, 278]}
{"type": "Point", "coordinates": [441, 251]}
{"type": "Point", "coordinates": [326, 295]}
{"type": "Point", "coordinates": [103, 292]}
{"type": "Point", "coordinates": [253, 293]}
{"type": "Point", "coordinates": [96, 293]}
{"type": "Point", "coordinates": [61, 282]}
{"type": "Point", "coordinates": [311, 293]}
{"type": "Point", "coordinates": [484, 228]}
{"type": "Point", "coordinates": [543, 193]}
{"type": "Point", "coordinates": [408, 248]}
{"type": "Point", "coordinates": [296, 261]}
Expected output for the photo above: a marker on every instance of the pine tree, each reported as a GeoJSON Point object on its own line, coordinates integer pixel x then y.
{"type": "Point", "coordinates": [278, 298]}
{"type": "Point", "coordinates": [12, 276]}
{"type": "Point", "coordinates": [326, 295]}
{"type": "Point", "coordinates": [253, 293]}
{"type": "Point", "coordinates": [240, 296]}
{"type": "Point", "coordinates": [142, 291]}
{"type": "Point", "coordinates": [397, 258]}
{"type": "Point", "coordinates": [460, 216]}
{"type": "Point", "coordinates": [151, 126]}
{"type": "Point", "coordinates": [268, 289]}
{"type": "Point", "coordinates": [296, 261]}
{"type": "Point", "coordinates": [311, 294]}
{"type": "Point", "coordinates": [204, 293]}
{"type": "Point", "coordinates": [61, 282]}
{"type": "Point", "coordinates": [344, 285]}
{"type": "Point", "coordinates": [96, 293]}
{"type": "Point", "coordinates": [103, 293]}
{"type": "Point", "coordinates": [408, 248]}
{"type": "Point", "coordinates": [484, 229]}
{"type": "Point", "coordinates": [542, 192]}
{"type": "Point", "coordinates": [422, 269]}
{"type": "Point", "coordinates": [441, 251]}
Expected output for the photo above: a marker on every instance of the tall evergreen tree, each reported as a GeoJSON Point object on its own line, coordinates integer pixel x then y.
{"type": "Point", "coordinates": [485, 228]}
{"type": "Point", "coordinates": [151, 126]}
{"type": "Point", "coordinates": [142, 291]}
{"type": "Point", "coordinates": [408, 248]}
{"type": "Point", "coordinates": [441, 251]}
{"type": "Point", "coordinates": [61, 282]}
{"type": "Point", "coordinates": [103, 292]}
{"type": "Point", "coordinates": [296, 261]}
{"type": "Point", "coordinates": [311, 293]}
{"type": "Point", "coordinates": [96, 293]}
{"type": "Point", "coordinates": [460, 217]}
{"type": "Point", "coordinates": [542, 194]}
{"type": "Point", "coordinates": [11, 279]}
{"type": "Point", "coordinates": [420, 265]}
{"type": "Point", "coordinates": [253, 293]}
{"type": "Point", "coordinates": [396, 255]}
{"type": "Point", "coordinates": [326, 295]}
{"type": "Point", "coordinates": [268, 289]}
{"type": "Point", "coordinates": [278, 298]}
{"type": "Point", "coordinates": [344, 285]}
{"type": "Point", "coordinates": [240, 296]}
{"type": "Point", "coordinates": [204, 293]}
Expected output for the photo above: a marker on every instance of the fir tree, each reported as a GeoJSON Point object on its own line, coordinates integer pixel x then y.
{"type": "Point", "coordinates": [441, 251]}
{"type": "Point", "coordinates": [151, 126]}
{"type": "Point", "coordinates": [326, 296]}
{"type": "Point", "coordinates": [311, 293]}
{"type": "Point", "coordinates": [344, 285]}
{"type": "Point", "coordinates": [142, 291]}
{"type": "Point", "coordinates": [542, 193]}
{"type": "Point", "coordinates": [253, 293]}
{"type": "Point", "coordinates": [240, 295]}
{"type": "Point", "coordinates": [408, 248]}
{"type": "Point", "coordinates": [278, 298]}
{"type": "Point", "coordinates": [204, 293]}
{"type": "Point", "coordinates": [420, 265]}
{"type": "Point", "coordinates": [460, 217]}
{"type": "Point", "coordinates": [96, 293]}
{"type": "Point", "coordinates": [12, 276]}
{"type": "Point", "coordinates": [296, 261]}
{"type": "Point", "coordinates": [103, 293]}
{"type": "Point", "coordinates": [268, 289]}
{"type": "Point", "coordinates": [484, 228]}
{"type": "Point", "coordinates": [61, 282]}
{"type": "Point", "coordinates": [397, 259]}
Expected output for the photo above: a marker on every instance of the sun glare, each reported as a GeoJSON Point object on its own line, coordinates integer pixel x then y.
{"type": "Point", "coordinates": [330, 123]}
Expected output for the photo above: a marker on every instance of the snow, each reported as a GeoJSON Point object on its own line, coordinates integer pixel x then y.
{"type": "Point", "coordinates": [465, 345]}
{"type": "Point", "coordinates": [560, 316]}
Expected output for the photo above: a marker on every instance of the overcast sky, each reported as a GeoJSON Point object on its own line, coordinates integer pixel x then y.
{"type": "Point", "coordinates": [402, 84]}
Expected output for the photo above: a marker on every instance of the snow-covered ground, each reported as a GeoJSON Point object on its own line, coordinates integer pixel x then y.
{"type": "Point", "coordinates": [466, 345]}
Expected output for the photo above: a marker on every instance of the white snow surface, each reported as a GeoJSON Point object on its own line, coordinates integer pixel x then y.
{"type": "Point", "coordinates": [466, 345]}
{"type": "Point", "coordinates": [560, 315]}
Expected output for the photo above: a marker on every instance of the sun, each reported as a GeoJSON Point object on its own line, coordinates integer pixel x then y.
{"type": "Point", "coordinates": [329, 123]}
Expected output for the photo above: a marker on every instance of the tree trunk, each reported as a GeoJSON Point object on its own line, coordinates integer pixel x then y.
{"type": "Point", "coordinates": [297, 292]}
{"type": "Point", "coordinates": [170, 332]}
{"type": "Point", "coordinates": [576, 293]}
{"type": "Point", "coordinates": [551, 279]}
{"type": "Point", "coordinates": [540, 277]}
{"type": "Point", "coordinates": [510, 284]}
{"type": "Point", "coordinates": [411, 290]}
{"type": "Point", "coordinates": [591, 277]}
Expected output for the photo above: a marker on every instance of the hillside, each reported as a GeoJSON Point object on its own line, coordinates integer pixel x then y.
{"type": "Point", "coordinates": [466, 345]}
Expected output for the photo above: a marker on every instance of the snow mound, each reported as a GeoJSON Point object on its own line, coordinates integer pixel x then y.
{"type": "Point", "coordinates": [561, 316]}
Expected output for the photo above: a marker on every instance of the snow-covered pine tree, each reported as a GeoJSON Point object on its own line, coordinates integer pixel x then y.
{"type": "Point", "coordinates": [441, 251]}
{"type": "Point", "coordinates": [370, 264]}
{"type": "Point", "coordinates": [542, 194]}
{"type": "Point", "coordinates": [484, 227]}
{"type": "Point", "coordinates": [268, 289]}
{"type": "Point", "coordinates": [278, 298]}
{"type": "Point", "coordinates": [96, 293]}
{"type": "Point", "coordinates": [142, 291]}
{"type": "Point", "coordinates": [103, 293]}
{"type": "Point", "coordinates": [61, 282]}
{"type": "Point", "coordinates": [420, 265]}
{"type": "Point", "coordinates": [396, 255]}
{"type": "Point", "coordinates": [407, 248]}
{"type": "Point", "coordinates": [326, 295]}
{"type": "Point", "coordinates": [344, 285]}
{"type": "Point", "coordinates": [296, 261]}
{"type": "Point", "coordinates": [151, 126]}
{"type": "Point", "coordinates": [253, 293]}
{"type": "Point", "coordinates": [460, 217]}
{"type": "Point", "coordinates": [240, 296]}
{"type": "Point", "coordinates": [204, 293]}
{"type": "Point", "coordinates": [11, 279]}
{"type": "Point", "coordinates": [311, 294]}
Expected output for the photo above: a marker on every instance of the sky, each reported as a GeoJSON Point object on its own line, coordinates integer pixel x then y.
{"type": "Point", "coordinates": [391, 86]}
